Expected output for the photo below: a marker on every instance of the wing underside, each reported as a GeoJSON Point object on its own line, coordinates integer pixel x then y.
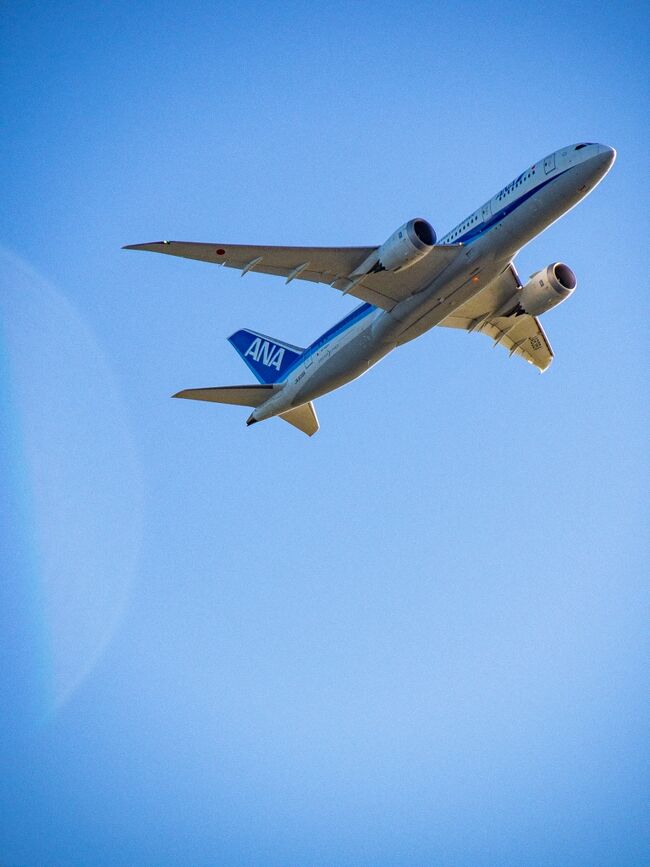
{"type": "Point", "coordinates": [495, 311]}
{"type": "Point", "coordinates": [330, 265]}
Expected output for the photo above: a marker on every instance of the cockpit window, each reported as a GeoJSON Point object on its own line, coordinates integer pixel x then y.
{"type": "Point", "coordinates": [583, 145]}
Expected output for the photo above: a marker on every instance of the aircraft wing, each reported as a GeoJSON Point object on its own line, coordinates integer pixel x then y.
{"type": "Point", "coordinates": [495, 311]}
{"type": "Point", "coordinates": [330, 265]}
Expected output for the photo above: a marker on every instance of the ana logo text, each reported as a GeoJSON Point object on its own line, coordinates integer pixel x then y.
{"type": "Point", "coordinates": [266, 353]}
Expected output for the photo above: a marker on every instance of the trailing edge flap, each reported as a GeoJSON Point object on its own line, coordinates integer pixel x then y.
{"type": "Point", "coordinates": [521, 335]}
{"type": "Point", "coordinates": [331, 265]}
{"type": "Point", "coordinates": [524, 337]}
{"type": "Point", "coordinates": [240, 395]}
{"type": "Point", "coordinates": [303, 417]}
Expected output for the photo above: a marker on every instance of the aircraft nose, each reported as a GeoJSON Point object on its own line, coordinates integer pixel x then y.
{"type": "Point", "coordinates": [606, 156]}
{"type": "Point", "coordinates": [600, 163]}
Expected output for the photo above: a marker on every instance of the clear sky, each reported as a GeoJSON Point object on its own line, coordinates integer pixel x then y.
{"type": "Point", "coordinates": [420, 637]}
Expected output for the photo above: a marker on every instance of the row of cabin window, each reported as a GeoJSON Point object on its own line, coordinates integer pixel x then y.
{"type": "Point", "coordinates": [463, 227]}
{"type": "Point", "coordinates": [500, 196]}
{"type": "Point", "coordinates": [520, 181]}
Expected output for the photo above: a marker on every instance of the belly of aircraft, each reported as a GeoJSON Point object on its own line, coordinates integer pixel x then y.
{"type": "Point", "coordinates": [342, 365]}
{"type": "Point", "coordinates": [447, 297]}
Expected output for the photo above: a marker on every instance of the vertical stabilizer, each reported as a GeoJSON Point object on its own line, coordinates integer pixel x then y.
{"type": "Point", "coordinates": [268, 358]}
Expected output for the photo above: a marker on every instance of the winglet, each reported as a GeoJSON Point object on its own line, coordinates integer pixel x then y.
{"type": "Point", "coordinates": [150, 245]}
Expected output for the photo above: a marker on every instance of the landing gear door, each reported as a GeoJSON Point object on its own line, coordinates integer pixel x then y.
{"type": "Point", "coordinates": [549, 164]}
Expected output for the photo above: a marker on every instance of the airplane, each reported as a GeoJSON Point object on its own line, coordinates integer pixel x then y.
{"type": "Point", "coordinates": [409, 284]}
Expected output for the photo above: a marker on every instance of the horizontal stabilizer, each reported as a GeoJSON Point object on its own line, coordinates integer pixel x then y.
{"type": "Point", "coordinates": [240, 395]}
{"type": "Point", "coordinates": [303, 417]}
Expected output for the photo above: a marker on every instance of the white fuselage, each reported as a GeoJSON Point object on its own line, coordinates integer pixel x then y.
{"type": "Point", "coordinates": [490, 236]}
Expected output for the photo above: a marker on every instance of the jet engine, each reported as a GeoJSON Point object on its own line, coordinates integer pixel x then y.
{"type": "Point", "coordinates": [410, 243]}
{"type": "Point", "coordinates": [547, 288]}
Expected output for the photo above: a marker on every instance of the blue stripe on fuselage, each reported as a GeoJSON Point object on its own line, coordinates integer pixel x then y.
{"type": "Point", "coordinates": [482, 228]}
{"type": "Point", "coordinates": [347, 322]}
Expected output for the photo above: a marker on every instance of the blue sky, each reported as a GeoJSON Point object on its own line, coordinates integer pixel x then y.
{"type": "Point", "coordinates": [419, 637]}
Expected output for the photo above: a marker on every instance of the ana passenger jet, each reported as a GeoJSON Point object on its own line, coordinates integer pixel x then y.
{"type": "Point", "coordinates": [409, 284]}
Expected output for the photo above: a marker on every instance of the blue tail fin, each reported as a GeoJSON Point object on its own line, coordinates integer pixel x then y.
{"type": "Point", "coordinates": [269, 359]}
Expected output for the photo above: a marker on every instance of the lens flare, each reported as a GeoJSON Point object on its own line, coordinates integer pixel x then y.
{"type": "Point", "coordinates": [75, 481]}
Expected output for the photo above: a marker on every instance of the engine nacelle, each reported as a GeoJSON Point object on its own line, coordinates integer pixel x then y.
{"type": "Point", "coordinates": [547, 288]}
{"type": "Point", "coordinates": [410, 243]}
